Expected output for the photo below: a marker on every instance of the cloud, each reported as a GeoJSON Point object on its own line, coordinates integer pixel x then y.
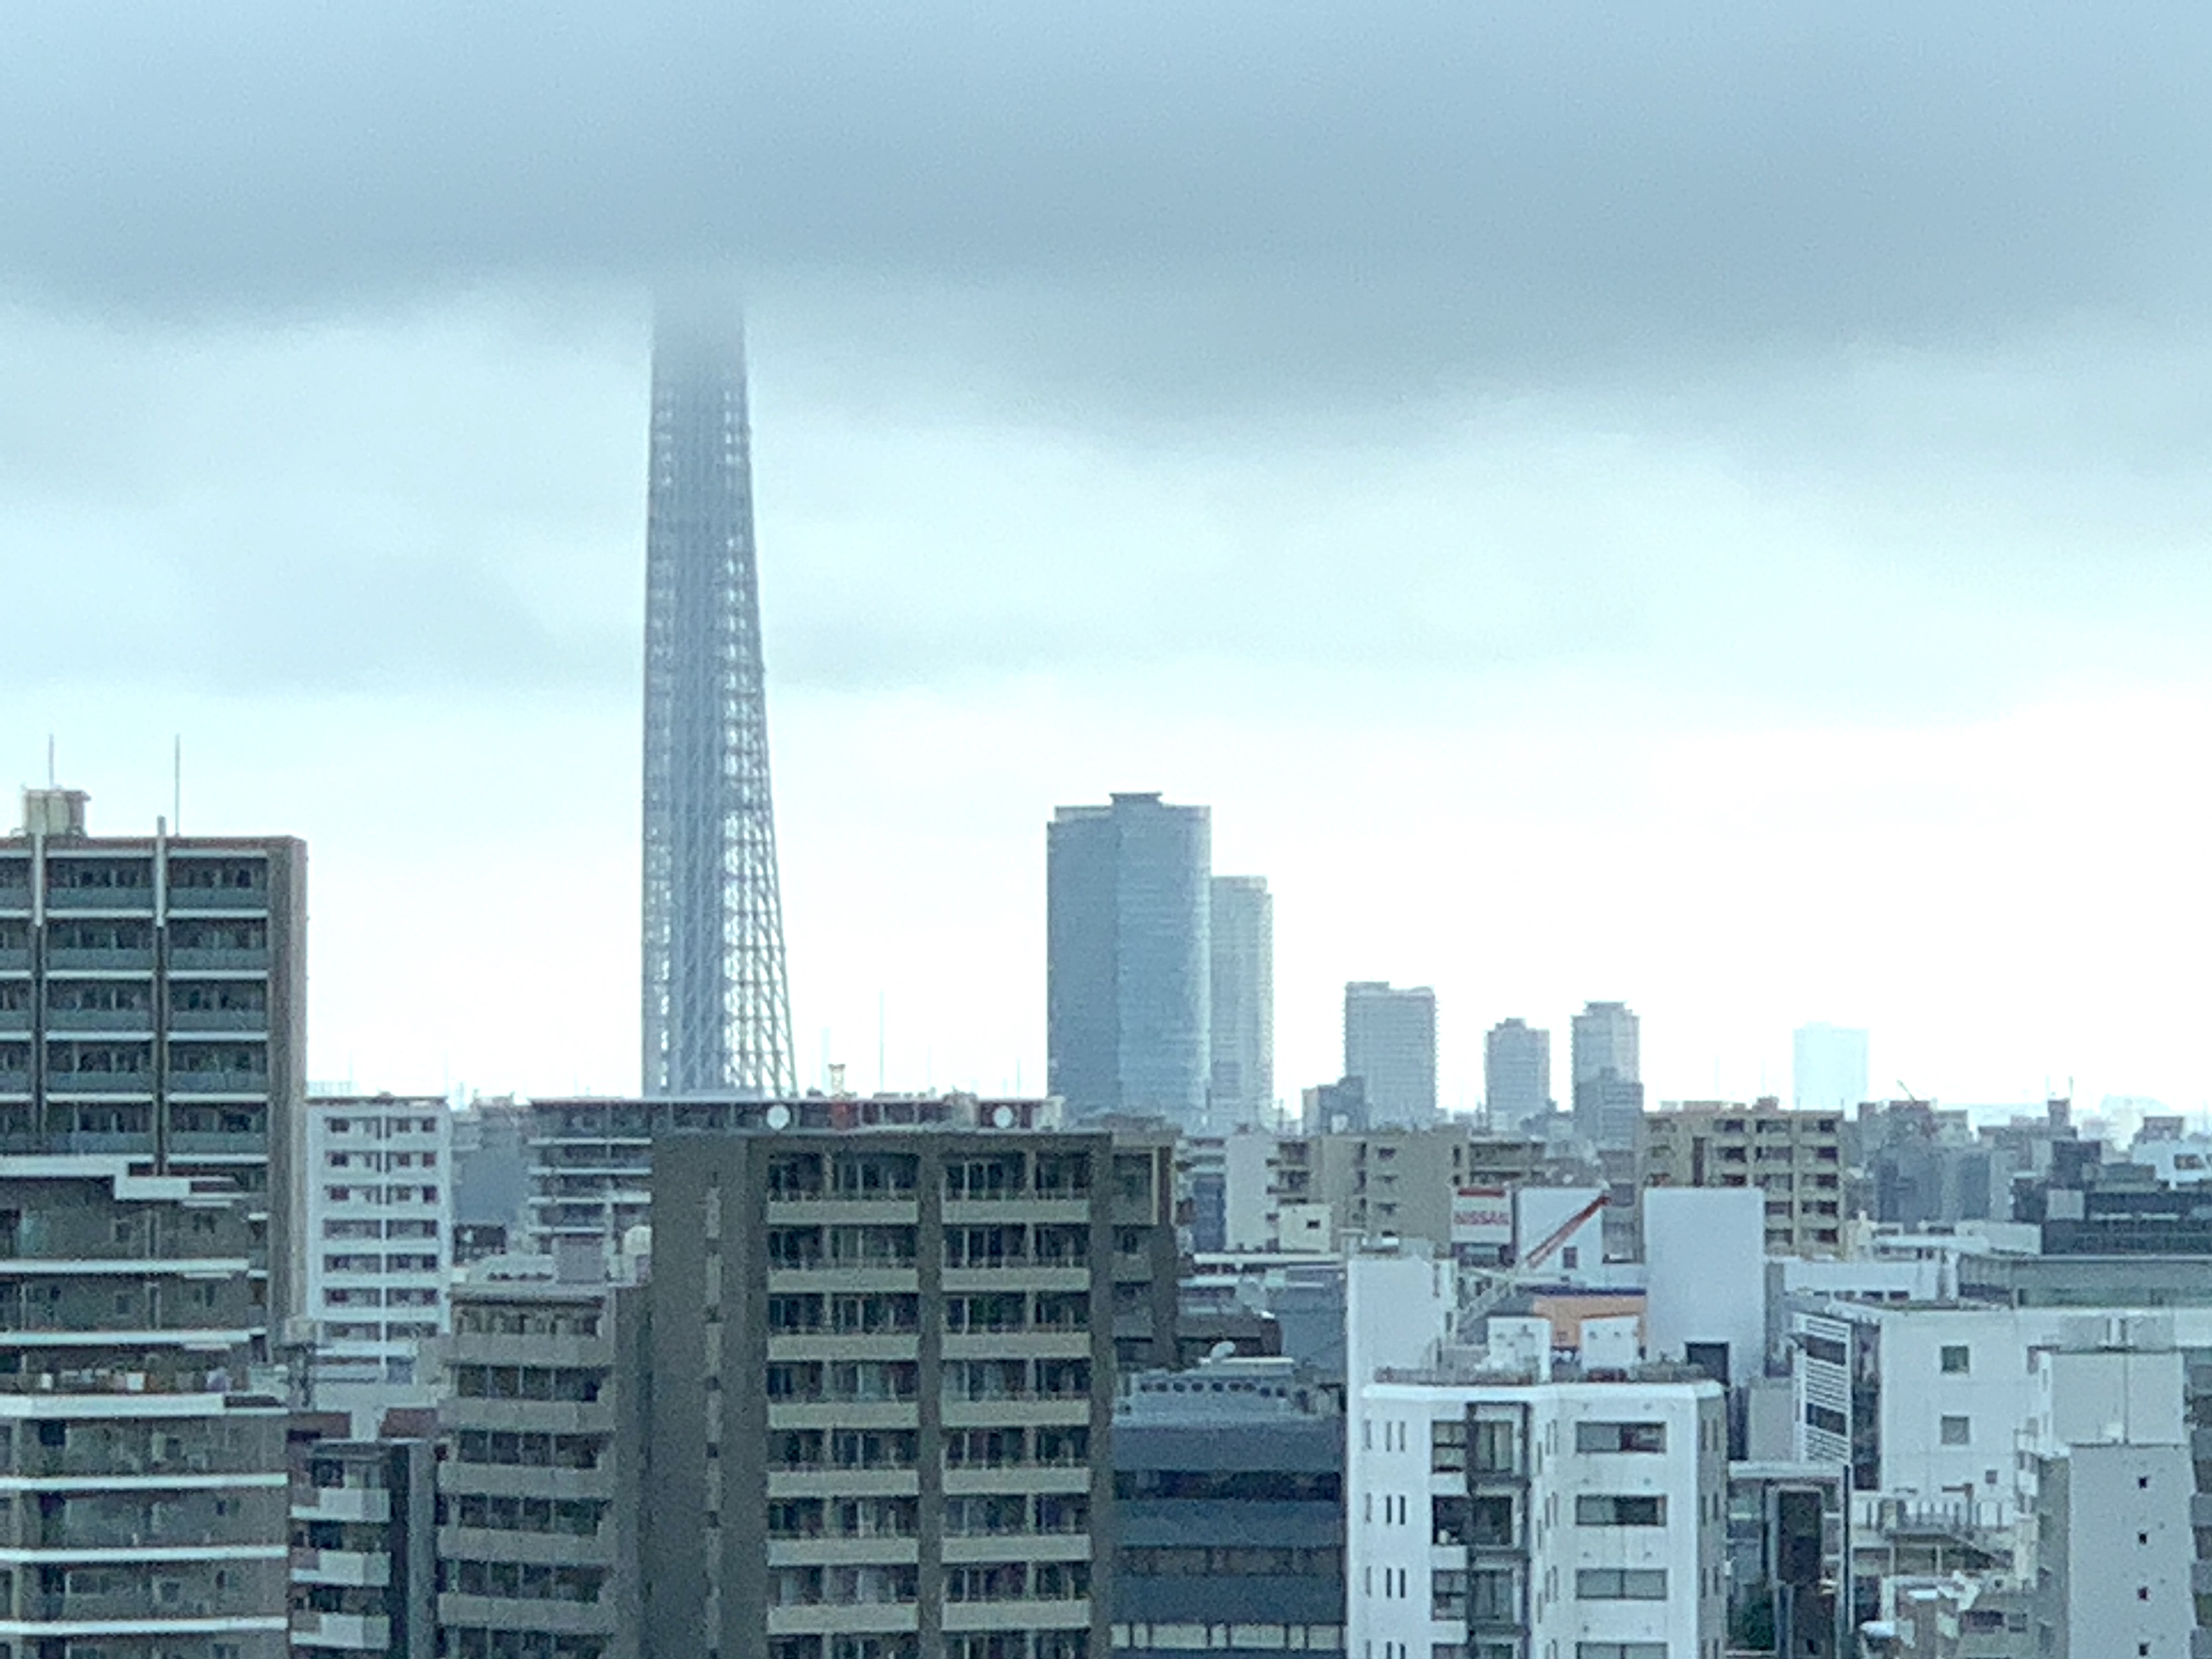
{"type": "Point", "coordinates": [1513, 188]}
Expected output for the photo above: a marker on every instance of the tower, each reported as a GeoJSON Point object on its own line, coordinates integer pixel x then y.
{"type": "Point", "coordinates": [1128, 959]}
{"type": "Point", "coordinates": [717, 1010]}
{"type": "Point", "coordinates": [1390, 1045]}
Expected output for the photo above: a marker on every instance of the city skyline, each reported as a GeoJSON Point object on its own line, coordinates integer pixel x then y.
{"type": "Point", "coordinates": [1776, 585]}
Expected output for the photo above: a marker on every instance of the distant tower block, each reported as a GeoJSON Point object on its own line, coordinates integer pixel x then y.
{"type": "Point", "coordinates": [717, 1008]}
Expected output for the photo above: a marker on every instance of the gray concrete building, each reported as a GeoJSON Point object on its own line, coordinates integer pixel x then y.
{"type": "Point", "coordinates": [882, 1371]}
{"type": "Point", "coordinates": [539, 1476]}
{"type": "Point", "coordinates": [1516, 1074]}
{"type": "Point", "coordinates": [1390, 1045]}
{"type": "Point", "coordinates": [1242, 1011]}
{"type": "Point", "coordinates": [364, 1543]}
{"type": "Point", "coordinates": [1128, 959]}
{"type": "Point", "coordinates": [141, 1456]}
{"type": "Point", "coordinates": [1229, 1483]}
{"type": "Point", "coordinates": [152, 1004]}
{"type": "Point", "coordinates": [590, 1172]}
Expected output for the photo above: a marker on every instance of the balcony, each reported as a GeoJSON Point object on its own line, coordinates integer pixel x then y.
{"type": "Point", "coordinates": [362, 1632]}
{"type": "Point", "coordinates": [227, 901]}
{"type": "Point", "coordinates": [219, 959]}
{"type": "Point", "coordinates": [216, 1143]}
{"type": "Point", "coordinates": [109, 901]}
{"type": "Point", "coordinates": [218, 1082]}
{"type": "Point", "coordinates": [136, 1085]}
{"type": "Point", "coordinates": [219, 1019]}
{"type": "Point", "coordinates": [110, 959]}
{"type": "Point", "coordinates": [124, 1021]}
{"type": "Point", "coordinates": [61, 1143]}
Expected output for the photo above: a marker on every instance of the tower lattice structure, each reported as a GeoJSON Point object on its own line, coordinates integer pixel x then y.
{"type": "Point", "coordinates": [717, 1007]}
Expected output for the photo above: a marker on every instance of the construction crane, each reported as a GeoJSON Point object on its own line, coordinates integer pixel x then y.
{"type": "Point", "coordinates": [1486, 1287]}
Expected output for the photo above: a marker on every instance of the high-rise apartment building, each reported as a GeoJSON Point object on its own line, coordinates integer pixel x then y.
{"type": "Point", "coordinates": [1390, 1045]}
{"type": "Point", "coordinates": [142, 1458]}
{"type": "Point", "coordinates": [591, 1170]}
{"type": "Point", "coordinates": [1243, 1010]}
{"type": "Point", "coordinates": [1129, 967]}
{"type": "Point", "coordinates": [1608, 1074]}
{"type": "Point", "coordinates": [1517, 1074]}
{"type": "Point", "coordinates": [377, 1200]}
{"type": "Point", "coordinates": [1828, 1067]}
{"type": "Point", "coordinates": [539, 1481]}
{"type": "Point", "coordinates": [364, 1543]}
{"type": "Point", "coordinates": [152, 1005]}
{"type": "Point", "coordinates": [717, 1011]}
{"type": "Point", "coordinates": [883, 1373]}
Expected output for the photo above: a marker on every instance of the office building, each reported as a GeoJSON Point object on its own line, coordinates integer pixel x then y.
{"type": "Point", "coordinates": [1606, 1043]}
{"type": "Point", "coordinates": [1241, 1011]}
{"type": "Point", "coordinates": [1229, 1489]}
{"type": "Point", "coordinates": [539, 1476]}
{"type": "Point", "coordinates": [1794, 1158]}
{"type": "Point", "coordinates": [1828, 1067]}
{"type": "Point", "coordinates": [378, 1200]}
{"type": "Point", "coordinates": [1391, 1046]}
{"type": "Point", "coordinates": [1128, 959]}
{"type": "Point", "coordinates": [1516, 1074]}
{"type": "Point", "coordinates": [882, 1370]}
{"type": "Point", "coordinates": [152, 1005]}
{"type": "Point", "coordinates": [142, 1455]}
{"type": "Point", "coordinates": [364, 1543]}
{"type": "Point", "coordinates": [716, 1007]}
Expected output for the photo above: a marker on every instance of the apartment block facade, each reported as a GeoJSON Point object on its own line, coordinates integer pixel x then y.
{"type": "Point", "coordinates": [364, 1543]}
{"type": "Point", "coordinates": [539, 1472]}
{"type": "Point", "coordinates": [883, 1369]}
{"type": "Point", "coordinates": [378, 1181]}
{"type": "Point", "coordinates": [152, 1005]}
{"type": "Point", "coordinates": [1795, 1158]}
{"type": "Point", "coordinates": [141, 1461]}
{"type": "Point", "coordinates": [1509, 1518]}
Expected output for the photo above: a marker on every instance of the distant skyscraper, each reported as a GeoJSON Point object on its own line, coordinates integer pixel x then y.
{"type": "Point", "coordinates": [1243, 1003]}
{"type": "Point", "coordinates": [717, 1012]}
{"type": "Point", "coordinates": [1128, 961]}
{"type": "Point", "coordinates": [1517, 1074]}
{"type": "Point", "coordinates": [1828, 1066]}
{"type": "Point", "coordinates": [1608, 1072]}
{"type": "Point", "coordinates": [1390, 1043]}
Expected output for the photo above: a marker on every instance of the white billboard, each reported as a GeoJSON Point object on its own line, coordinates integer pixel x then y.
{"type": "Point", "coordinates": [1483, 1216]}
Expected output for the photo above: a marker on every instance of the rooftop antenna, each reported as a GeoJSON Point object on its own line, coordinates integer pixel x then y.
{"type": "Point", "coordinates": [177, 781]}
{"type": "Point", "coordinates": [53, 782]}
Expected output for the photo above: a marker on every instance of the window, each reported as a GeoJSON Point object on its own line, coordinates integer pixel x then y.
{"type": "Point", "coordinates": [1957, 1431]}
{"type": "Point", "coordinates": [1620, 1650]}
{"type": "Point", "coordinates": [1954, 1359]}
{"type": "Point", "coordinates": [1620, 1437]}
{"type": "Point", "coordinates": [1620, 1584]}
{"type": "Point", "coordinates": [1607, 1510]}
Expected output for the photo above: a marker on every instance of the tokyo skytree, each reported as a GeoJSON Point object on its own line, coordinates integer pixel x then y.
{"type": "Point", "coordinates": [717, 1009]}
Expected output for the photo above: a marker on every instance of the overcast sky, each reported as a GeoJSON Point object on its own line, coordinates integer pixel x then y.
{"type": "Point", "coordinates": [1703, 505]}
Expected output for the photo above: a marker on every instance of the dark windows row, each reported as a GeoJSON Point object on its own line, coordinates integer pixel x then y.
{"type": "Point", "coordinates": [1239, 1562]}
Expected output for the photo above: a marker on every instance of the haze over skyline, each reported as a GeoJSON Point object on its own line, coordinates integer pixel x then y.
{"type": "Point", "coordinates": [1711, 517]}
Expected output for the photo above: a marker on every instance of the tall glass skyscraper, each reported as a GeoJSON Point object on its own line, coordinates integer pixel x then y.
{"type": "Point", "coordinates": [1127, 958]}
{"type": "Point", "coordinates": [1243, 1012]}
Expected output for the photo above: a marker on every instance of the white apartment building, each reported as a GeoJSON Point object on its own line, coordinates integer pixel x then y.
{"type": "Point", "coordinates": [378, 1245]}
{"type": "Point", "coordinates": [1929, 1405]}
{"type": "Point", "coordinates": [1496, 1514]}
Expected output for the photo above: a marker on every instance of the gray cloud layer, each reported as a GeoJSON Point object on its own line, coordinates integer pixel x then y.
{"type": "Point", "coordinates": [1526, 184]}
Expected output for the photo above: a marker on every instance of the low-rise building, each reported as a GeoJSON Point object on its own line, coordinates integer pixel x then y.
{"type": "Point", "coordinates": [1228, 1494]}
